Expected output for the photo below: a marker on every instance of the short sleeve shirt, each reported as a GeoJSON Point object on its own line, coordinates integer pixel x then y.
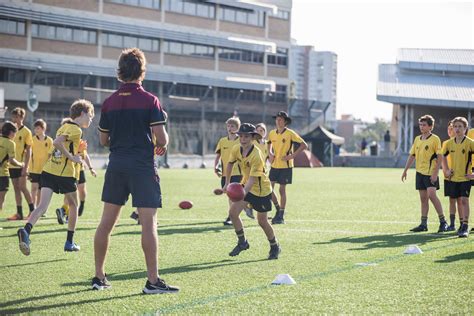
{"type": "Point", "coordinates": [282, 144]}
{"type": "Point", "coordinates": [460, 154]}
{"type": "Point", "coordinates": [23, 138]}
{"type": "Point", "coordinates": [7, 151]}
{"type": "Point", "coordinates": [40, 151]}
{"type": "Point", "coordinates": [426, 152]}
{"type": "Point", "coordinates": [224, 147]}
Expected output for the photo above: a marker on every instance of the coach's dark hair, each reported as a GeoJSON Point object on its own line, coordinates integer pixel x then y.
{"type": "Point", "coordinates": [40, 123]}
{"type": "Point", "coordinates": [131, 65]}
{"type": "Point", "coordinates": [428, 119]}
{"type": "Point", "coordinates": [7, 128]}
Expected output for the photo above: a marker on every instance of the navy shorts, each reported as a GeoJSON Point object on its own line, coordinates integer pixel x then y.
{"type": "Point", "coordinates": [457, 189]}
{"type": "Point", "coordinates": [34, 177]}
{"type": "Point", "coordinates": [15, 173]}
{"type": "Point", "coordinates": [232, 180]}
{"type": "Point", "coordinates": [59, 185]}
{"type": "Point", "coordinates": [144, 188]}
{"type": "Point", "coordinates": [4, 183]}
{"type": "Point", "coordinates": [424, 182]}
{"type": "Point", "coordinates": [82, 177]}
{"type": "Point", "coordinates": [261, 204]}
{"type": "Point", "coordinates": [281, 176]}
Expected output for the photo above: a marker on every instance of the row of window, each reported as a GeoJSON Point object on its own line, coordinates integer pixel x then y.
{"type": "Point", "coordinates": [240, 55]}
{"type": "Point", "coordinates": [121, 41]}
{"type": "Point", "coordinates": [189, 7]}
{"type": "Point", "coordinates": [153, 4]}
{"type": "Point", "coordinates": [12, 27]}
{"type": "Point", "coordinates": [180, 48]}
{"type": "Point", "coordinates": [63, 33]}
{"type": "Point", "coordinates": [256, 18]}
{"type": "Point", "coordinates": [281, 14]}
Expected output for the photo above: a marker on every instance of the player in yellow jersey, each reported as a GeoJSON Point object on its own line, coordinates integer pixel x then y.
{"type": "Point", "coordinates": [223, 149]}
{"type": "Point", "coordinates": [23, 141]}
{"type": "Point", "coordinates": [7, 156]}
{"type": "Point", "coordinates": [40, 151]}
{"type": "Point", "coordinates": [426, 150]}
{"type": "Point", "coordinates": [460, 149]}
{"type": "Point", "coordinates": [281, 142]}
{"type": "Point", "coordinates": [257, 187]}
{"type": "Point", "coordinates": [59, 173]}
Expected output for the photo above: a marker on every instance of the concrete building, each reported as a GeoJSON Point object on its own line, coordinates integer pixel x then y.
{"type": "Point", "coordinates": [206, 59]}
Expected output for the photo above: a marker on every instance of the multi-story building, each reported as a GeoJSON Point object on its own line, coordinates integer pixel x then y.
{"type": "Point", "coordinates": [206, 59]}
{"type": "Point", "coordinates": [314, 74]}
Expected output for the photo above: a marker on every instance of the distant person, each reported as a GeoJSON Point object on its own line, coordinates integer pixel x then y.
{"type": "Point", "coordinates": [363, 146]}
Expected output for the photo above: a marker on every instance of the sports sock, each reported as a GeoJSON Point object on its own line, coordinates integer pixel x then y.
{"type": "Point", "coordinates": [70, 235]}
{"type": "Point", "coordinates": [442, 219]}
{"type": "Point", "coordinates": [424, 220]}
{"type": "Point", "coordinates": [452, 219]}
{"type": "Point", "coordinates": [28, 227]}
{"type": "Point", "coordinates": [32, 207]}
{"type": "Point", "coordinates": [241, 235]}
{"type": "Point", "coordinates": [277, 206]}
{"type": "Point", "coordinates": [273, 242]}
{"type": "Point", "coordinates": [19, 210]}
{"type": "Point", "coordinates": [281, 212]}
{"type": "Point", "coordinates": [81, 207]}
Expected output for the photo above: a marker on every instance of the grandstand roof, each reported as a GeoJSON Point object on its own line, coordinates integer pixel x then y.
{"type": "Point", "coordinates": [454, 60]}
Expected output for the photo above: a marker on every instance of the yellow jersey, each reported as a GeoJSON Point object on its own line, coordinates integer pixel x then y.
{"type": "Point", "coordinates": [224, 147]}
{"type": "Point", "coordinates": [40, 151]}
{"type": "Point", "coordinates": [470, 134]}
{"type": "Point", "coordinates": [461, 154]}
{"type": "Point", "coordinates": [7, 150]}
{"type": "Point", "coordinates": [426, 152]}
{"type": "Point", "coordinates": [57, 163]}
{"type": "Point", "coordinates": [443, 150]}
{"type": "Point", "coordinates": [282, 145]}
{"type": "Point", "coordinates": [22, 139]}
{"type": "Point", "coordinates": [263, 149]}
{"type": "Point", "coordinates": [252, 165]}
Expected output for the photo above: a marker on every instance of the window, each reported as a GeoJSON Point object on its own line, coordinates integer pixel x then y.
{"type": "Point", "coordinates": [152, 4]}
{"type": "Point", "coordinates": [12, 27]}
{"type": "Point", "coordinates": [189, 49]}
{"type": "Point", "coordinates": [241, 55]}
{"type": "Point", "coordinates": [233, 94]}
{"type": "Point", "coordinates": [280, 58]}
{"type": "Point", "coordinates": [12, 75]}
{"type": "Point", "coordinates": [236, 15]}
{"type": "Point", "coordinates": [151, 86]}
{"type": "Point", "coordinates": [279, 95]}
{"type": "Point", "coordinates": [63, 33]}
{"type": "Point", "coordinates": [192, 7]}
{"type": "Point", "coordinates": [123, 41]}
{"type": "Point", "coordinates": [109, 83]}
{"type": "Point", "coordinates": [281, 14]}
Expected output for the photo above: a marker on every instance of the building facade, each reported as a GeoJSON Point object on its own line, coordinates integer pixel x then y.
{"type": "Point", "coordinates": [206, 59]}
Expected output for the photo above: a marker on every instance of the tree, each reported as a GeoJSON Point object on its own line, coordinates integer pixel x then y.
{"type": "Point", "coordinates": [372, 132]}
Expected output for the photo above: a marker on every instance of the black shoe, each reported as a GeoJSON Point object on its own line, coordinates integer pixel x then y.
{"type": "Point", "coordinates": [227, 222]}
{"type": "Point", "coordinates": [61, 215]}
{"type": "Point", "coordinates": [160, 287]}
{"type": "Point", "coordinates": [464, 232]}
{"type": "Point", "coordinates": [98, 284]}
{"type": "Point", "coordinates": [278, 220]}
{"type": "Point", "coordinates": [443, 227]}
{"type": "Point", "coordinates": [274, 252]}
{"type": "Point", "coordinates": [451, 228]}
{"type": "Point", "coordinates": [419, 228]}
{"type": "Point", "coordinates": [239, 248]}
{"type": "Point", "coordinates": [24, 241]}
{"type": "Point", "coordinates": [135, 217]}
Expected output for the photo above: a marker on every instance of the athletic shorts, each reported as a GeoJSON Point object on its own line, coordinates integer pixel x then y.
{"type": "Point", "coordinates": [82, 177]}
{"type": "Point", "coordinates": [457, 189]}
{"type": "Point", "coordinates": [261, 204]}
{"type": "Point", "coordinates": [424, 182]}
{"type": "Point", "coordinates": [60, 185]}
{"type": "Point", "coordinates": [4, 183]}
{"type": "Point", "coordinates": [281, 176]}
{"type": "Point", "coordinates": [15, 173]}
{"type": "Point", "coordinates": [143, 186]}
{"type": "Point", "coordinates": [232, 180]}
{"type": "Point", "coordinates": [34, 177]}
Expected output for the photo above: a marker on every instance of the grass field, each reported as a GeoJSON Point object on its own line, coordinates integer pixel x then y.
{"type": "Point", "coordinates": [336, 219]}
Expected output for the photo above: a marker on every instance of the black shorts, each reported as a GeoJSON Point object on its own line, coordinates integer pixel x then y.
{"type": "Point", "coordinates": [261, 204]}
{"type": "Point", "coordinates": [423, 182]}
{"type": "Point", "coordinates": [281, 176]}
{"type": "Point", "coordinates": [4, 183]}
{"type": "Point", "coordinates": [60, 185]}
{"type": "Point", "coordinates": [15, 173]}
{"type": "Point", "coordinates": [34, 177]}
{"type": "Point", "coordinates": [144, 188]}
{"type": "Point", "coordinates": [232, 180]}
{"type": "Point", "coordinates": [457, 189]}
{"type": "Point", "coordinates": [82, 177]}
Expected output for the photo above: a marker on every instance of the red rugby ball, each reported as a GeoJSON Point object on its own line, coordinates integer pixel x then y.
{"type": "Point", "coordinates": [185, 205]}
{"type": "Point", "coordinates": [218, 191]}
{"type": "Point", "coordinates": [235, 192]}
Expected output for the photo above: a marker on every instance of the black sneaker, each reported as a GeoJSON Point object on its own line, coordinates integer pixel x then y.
{"type": "Point", "coordinates": [135, 217]}
{"type": "Point", "coordinates": [443, 227]}
{"type": "Point", "coordinates": [274, 252]}
{"type": "Point", "coordinates": [227, 222]}
{"type": "Point", "coordinates": [239, 248]}
{"type": "Point", "coordinates": [419, 228]}
{"type": "Point", "coordinates": [160, 287]}
{"type": "Point", "coordinates": [61, 215]}
{"type": "Point", "coordinates": [278, 220]}
{"type": "Point", "coordinates": [98, 284]}
{"type": "Point", "coordinates": [451, 228]}
{"type": "Point", "coordinates": [464, 233]}
{"type": "Point", "coordinates": [24, 241]}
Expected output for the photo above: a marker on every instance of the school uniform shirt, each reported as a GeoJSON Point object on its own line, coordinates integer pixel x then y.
{"type": "Point", "coordinates": [461, 154]}
{"type": "Point", "coordinates": [443, 150]}
{"type": "Point", "coordinates": [58, 164]}
{"type": "Point", "coordinates": [282, 144]}
{"type": "Point", "coordinates": [40, 151]}
{"type": "Point", "coordinates": [7, 150]}
{"type": "Point", "coordinates": [252, 165]}
{"type": "Point", "coordinates": [224, 147]}
{"type": "Point", "coordinates": [426, 152]}
{"type": "Point", "coordinates": [470, 134]}
{"type": "Point", "coordinates": [263, 148]}
{"type": "Point", "coordinates": [22, 139]}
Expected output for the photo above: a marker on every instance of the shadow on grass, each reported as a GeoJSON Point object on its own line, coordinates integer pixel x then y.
{"type": "Point", "coordinates": [31, 263]}
{"type": "Point", "coordinates": [73, 301]}
{"type": "Point", "coordinates": [59, 229]}
{"type": "Point", "coordinates": [388, 241]}
{"type": "Point", "coordinates": [186, 230]}
{"type": "Point", "coordinates": [458, 257]}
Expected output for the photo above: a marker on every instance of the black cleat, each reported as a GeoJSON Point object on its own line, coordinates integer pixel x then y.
{"type": "Point", "coordinates": [443, 227]}
{"type": "Point", "coordinates": [451, 228]}
{"type": "Point", "coordinates": [274, 252]}
{"type": "Point", "coordinates": [98, 284]}
{"type": "Point", "coordinates": [135, 217]}
{"type": "Point", "coordinates": [239, 248]}
{"type": "Point", "coordinates": [24, 241]}
{"type": "Point", "coordinates": [278, 220]}
{"type": "Point", "coordinates": [227, 222]}
{"type": "Point", "coordinates": [61, 215]}
{"type": "Point", "coordinates": [419, 228]}
{"type": "Point", "coordinates": [464, 231]}
{"type": "Point", "coordinates": [160, 287]}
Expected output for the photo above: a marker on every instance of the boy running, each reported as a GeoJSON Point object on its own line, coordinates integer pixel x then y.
{"type": "Point", "coordinates": [426, 150]}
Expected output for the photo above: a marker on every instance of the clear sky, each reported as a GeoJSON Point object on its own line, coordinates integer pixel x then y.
{"type": "Point", "coordinates": [366, 33]}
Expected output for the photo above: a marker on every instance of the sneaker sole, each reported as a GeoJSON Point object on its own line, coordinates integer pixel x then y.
{"type": "Point", "coordinates": [96, 287]}
{"type": "Point", "coordinates": [59, 218]}
{"type": "Point", "coordinates": [148, 291]}
{"type": "Point", "coordinates": [71, 250]}
{"type": "Point", "coordinates": [24, 248]}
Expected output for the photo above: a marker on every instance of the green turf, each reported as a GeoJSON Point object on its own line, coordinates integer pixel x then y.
{"type": "Point", "coordinates": [336, 219]}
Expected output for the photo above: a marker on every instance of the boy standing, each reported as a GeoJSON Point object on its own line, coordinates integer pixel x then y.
{"type": "Point", "coordinates": [223, 149]}
{"type": "Point", "coordinates": [460, 149]}
{"type": "Point", "coordinates": [23, 141]}
{"type": "Point", "coordinates": [281, 155]}
{"type": "Point", "coordinates": [59, 172]}
{"type": "Point", "coordinates": [257, 189]}
{"type": "Point", "coordinates": [426, 150]}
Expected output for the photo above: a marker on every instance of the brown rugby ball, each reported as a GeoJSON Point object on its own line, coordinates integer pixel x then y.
{"type": "Point", "coordinates": [185, 205]}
